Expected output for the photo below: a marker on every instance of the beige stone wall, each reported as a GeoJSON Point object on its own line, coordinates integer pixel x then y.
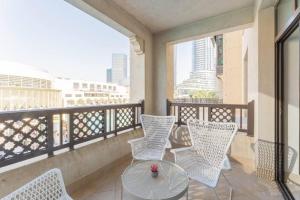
{"type": "Point", "coordinates": [75, 165]}
{"type": "Point", "coordinates": [232, 68]}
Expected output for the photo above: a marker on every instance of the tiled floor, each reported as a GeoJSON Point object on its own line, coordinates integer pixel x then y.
{"type": "Point", "coordinates": [246, 186]}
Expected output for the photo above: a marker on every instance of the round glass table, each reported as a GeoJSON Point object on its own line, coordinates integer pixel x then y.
{"type": "Point", "coordinates": [171, 183]}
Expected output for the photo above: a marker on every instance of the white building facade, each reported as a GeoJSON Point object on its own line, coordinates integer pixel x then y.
{"type": "Point", "coordinates": [26, 87]}
{"type": "Point", "coordinates": [83, 93]}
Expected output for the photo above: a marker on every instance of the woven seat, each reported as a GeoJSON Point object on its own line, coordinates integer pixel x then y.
{"type": "Point", "coordinates": [206, 158]}
{"type": "Point", "coordinates": [152, 146]}
{"type": "Point", "coordinates": [48, 186]}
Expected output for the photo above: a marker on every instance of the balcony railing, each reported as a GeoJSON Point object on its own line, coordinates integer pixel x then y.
{"type": "Point", "coordinates": [198, 100]}
{"type": "Point", "coordinates": [32, 133]}
{"type": "Point", "coordinates": [242, 114]}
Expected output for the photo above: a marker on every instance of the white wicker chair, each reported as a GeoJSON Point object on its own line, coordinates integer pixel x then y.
{"type": "Point", "coordinates": [182, 136]}
{"type": "Point", "coordinates": [48, 186]}
{"type": "Point", "coordinates": [157, 130]}
{"type": "Point", "coordinates": [205, 159]}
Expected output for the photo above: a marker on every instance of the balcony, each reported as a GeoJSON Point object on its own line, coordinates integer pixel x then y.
{"type": "Point", "coordinates": [90, 144]}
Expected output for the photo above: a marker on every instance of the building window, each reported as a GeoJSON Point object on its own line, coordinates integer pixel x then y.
{"type": "Point", "coordinates": [68, 95]}
{"type": "Point", "coordinates": [84, 85]}
{"type": "Point", "coordinates": [76, 86]}
{"type": "Point", "coordinates": [92, 87]}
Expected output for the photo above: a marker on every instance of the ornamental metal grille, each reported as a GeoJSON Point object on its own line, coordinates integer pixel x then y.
{"type": "Point", "coordinates": [187, 113]}
{"type": "Point", "coordinates": [124, 117]}
{"type": "Point", "coordinates": [242, 114]}
{"type": "Point", "coordinates": [28, 134]}
{"type": "Point", "coordinates": [88, 124]}
{"type": "Point", "coordinates": [221, 115]}
{"type": "Point", "coordinates": [22, 137]}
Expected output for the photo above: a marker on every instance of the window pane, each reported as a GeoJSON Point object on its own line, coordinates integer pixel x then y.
{"type": "Point", "coordinates": [285, 10]}
{"type": "Point", "coordinates": [291, 113]}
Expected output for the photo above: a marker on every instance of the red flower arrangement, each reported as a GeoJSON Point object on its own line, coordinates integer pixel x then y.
{"type": "Point", "coordinates": [154, 168]}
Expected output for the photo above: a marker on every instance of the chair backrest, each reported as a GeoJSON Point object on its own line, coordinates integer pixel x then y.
{"type": "Point", "coordinates": [212, 140]}
{"type": "Point", "coordinates": [157, 130]}
{"type": "Point", "coordinates": [48, 186]}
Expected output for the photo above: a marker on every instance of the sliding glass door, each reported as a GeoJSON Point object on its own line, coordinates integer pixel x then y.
{"type": "Point", "coordinates": [291, 112]}
{"type": "Point", "coordinates": [287, 111]}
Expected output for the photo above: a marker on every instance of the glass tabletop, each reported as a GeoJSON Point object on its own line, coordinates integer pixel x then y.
{"type": "Point", "coordinates": [171, 183]}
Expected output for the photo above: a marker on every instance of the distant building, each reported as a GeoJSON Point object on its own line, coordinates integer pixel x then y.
{"type": "Point", "coordinates": [119, 69]}
{"type": "Point", "coordinates": [26, 87]}
{"type": "Point", "coordinates": [82, 93]}
{"type": "Point", "coordinates": [204, 54]}
{"type": "Point", "coordinates": [203, 75]}
{"type": "Point", "coordinates": [108, 75]}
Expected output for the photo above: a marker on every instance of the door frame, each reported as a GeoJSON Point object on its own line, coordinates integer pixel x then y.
{"type": "Point", "coordinates": [287, 30]}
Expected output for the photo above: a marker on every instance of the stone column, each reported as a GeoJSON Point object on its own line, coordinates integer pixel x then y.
{"type": "Point", "coordinates": [137, 69]}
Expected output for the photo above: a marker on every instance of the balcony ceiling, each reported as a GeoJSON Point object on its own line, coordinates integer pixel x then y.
{"type": "Point", "coordinates": [159, 15]}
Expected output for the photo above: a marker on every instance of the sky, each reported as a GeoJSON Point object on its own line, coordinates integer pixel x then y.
{"type": "Point", "coordinates": [58, 37]}
{"type": "Point", "coordinates": [65, 41]}
{"type": "Point", "coordinates": [183, 61]}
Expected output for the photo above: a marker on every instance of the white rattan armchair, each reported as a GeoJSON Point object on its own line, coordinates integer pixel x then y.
{"type": "Point", "coordinates": [157, 130]}
{"type": "Point", "coordinates": [182, 136]}
{"type": "Point", "coordinates": [205, 159]}
{"type": "Point", "coordinates": [48, 186]}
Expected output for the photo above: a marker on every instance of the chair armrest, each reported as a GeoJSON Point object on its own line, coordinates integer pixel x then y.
{"type": "Point", "coordinates": [136, 140]}
{"type": "Point", "coordinates": [180, 149]}
{"type": "Point", "coordinates": [137, 145]}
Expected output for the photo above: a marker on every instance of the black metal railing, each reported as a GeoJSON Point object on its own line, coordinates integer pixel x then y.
{"type": "Point", "coordinates": [242, 114]}
{"type": "Point", "coordinates": [31, 133]}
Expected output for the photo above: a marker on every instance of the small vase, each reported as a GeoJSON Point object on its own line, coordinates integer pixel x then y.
{"type": "Point", "coordinates": [154, 174]}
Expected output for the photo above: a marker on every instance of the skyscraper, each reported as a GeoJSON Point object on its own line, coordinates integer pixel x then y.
{"type": "Point", "coordinates": [119, 69]}
{"type": "Point", "coordinates": [203, 75]}
{"type": "Point", "coordinates": [204, 54]}
{"type": "Point", "coordinates": [108, 75]}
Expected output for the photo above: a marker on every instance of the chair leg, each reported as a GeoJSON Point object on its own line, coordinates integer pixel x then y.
{"type": "Point", "coordinates": [122, 192]}
{"type": "Point", "coordinates": [187, 194]}
{"type": "Point", "coordinates": [216, 193]}
{"type": "Point", "coordinates": [230, 186]}
{"type": "Point", "coordinates": [132, 161]}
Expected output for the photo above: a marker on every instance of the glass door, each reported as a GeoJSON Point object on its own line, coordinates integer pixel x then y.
{"type": "Point", "coordinates": [287, 111]}
{"type": "Point", "coordinates": [290, 106]}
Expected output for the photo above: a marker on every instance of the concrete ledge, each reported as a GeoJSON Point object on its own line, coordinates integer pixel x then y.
{"type": "Point", "coordinates": [75, 165]}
